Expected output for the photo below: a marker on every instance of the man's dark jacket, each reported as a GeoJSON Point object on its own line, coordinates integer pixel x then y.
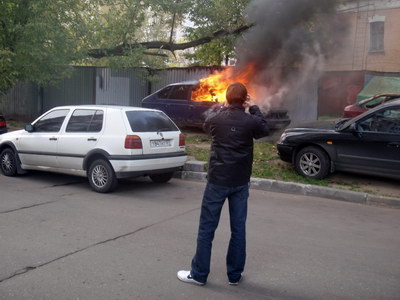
{"type": "Point", "coordinates": [233, 131]}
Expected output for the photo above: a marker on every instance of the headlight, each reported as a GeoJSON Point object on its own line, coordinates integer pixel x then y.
{"type": "Point", "coordinates": [282, 138]}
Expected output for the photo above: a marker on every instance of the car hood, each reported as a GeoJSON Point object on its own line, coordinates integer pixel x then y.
{"type": "Point", "coordinates": [314, 126]}
{"type": "Point", "coordinates": [296, 131]}
{"type": "Point", "coordinates": [9, 135]}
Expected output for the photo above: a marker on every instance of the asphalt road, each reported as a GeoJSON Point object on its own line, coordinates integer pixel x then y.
{"type": "Point", "coordinates": [60, 240]}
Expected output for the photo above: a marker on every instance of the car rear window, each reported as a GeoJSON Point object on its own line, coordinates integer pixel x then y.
{"type": "Point", "coordinates": [147, 121]}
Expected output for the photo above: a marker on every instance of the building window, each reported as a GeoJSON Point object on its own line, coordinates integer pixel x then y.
{"type": "Point", "coordinates": [377, 30]}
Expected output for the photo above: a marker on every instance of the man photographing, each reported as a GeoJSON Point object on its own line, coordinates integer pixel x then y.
{"type": "Point", "coordinates": [233, 132]}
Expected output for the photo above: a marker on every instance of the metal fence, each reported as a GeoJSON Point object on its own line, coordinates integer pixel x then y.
{"type": "Point", "coordinates": [98, 85]}
{"type": "Point", "coordinates": [21, 103]}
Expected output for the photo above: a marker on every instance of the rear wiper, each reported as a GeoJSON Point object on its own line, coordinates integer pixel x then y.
{"type": "Point", "coordinates": [163, 129]}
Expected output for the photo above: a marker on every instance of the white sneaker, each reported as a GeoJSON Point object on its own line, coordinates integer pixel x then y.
{"type": "Point", "coordinates": [185, 276]}
{"type": "Point", "coordinates": [237, 282]}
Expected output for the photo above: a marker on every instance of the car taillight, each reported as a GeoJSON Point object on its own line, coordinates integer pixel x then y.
{"type": "Point", "coordinates": [133, 142]}
{"type": "Point", "coordinates": [181, 140]}
{"type": "Point", "coordinates": [2, 124]}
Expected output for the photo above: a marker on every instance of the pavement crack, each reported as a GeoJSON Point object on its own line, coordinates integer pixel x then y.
{"type": "Point", "coordinates": [31, 268]}
{"type": "Point", "coordinates": [26, 207]}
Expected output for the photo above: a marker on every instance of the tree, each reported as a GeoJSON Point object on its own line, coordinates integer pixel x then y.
{"type": "Point", "coordinates": [210, 16]}
{"type": "Point", "coordinates": [41, 39]}
{"type": "Point", "coordinates": [38, 39]}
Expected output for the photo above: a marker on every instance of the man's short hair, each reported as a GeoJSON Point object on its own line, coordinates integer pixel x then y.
{"type": "Point", "coordinates": [236, 93]}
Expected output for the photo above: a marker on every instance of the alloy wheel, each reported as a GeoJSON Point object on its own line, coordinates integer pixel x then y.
{"type": "Point", "coordinates": [7, 162]}
{"type": "Point", "coordinates": [99, 176]}
{"type": "Point", "coordinates": [310, 164]}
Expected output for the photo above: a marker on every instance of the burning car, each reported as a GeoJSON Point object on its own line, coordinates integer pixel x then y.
{"type": "Point", "coordinates": [187, 102]}
{"type": "Point", "coordinates": [358, 108]}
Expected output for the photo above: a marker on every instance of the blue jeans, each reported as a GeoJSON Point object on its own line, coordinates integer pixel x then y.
{"type": "Point", "coordinates": [213, 200]}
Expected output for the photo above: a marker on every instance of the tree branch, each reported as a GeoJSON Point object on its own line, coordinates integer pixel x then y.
{"type": "Point", "coordinates": [168, 46]}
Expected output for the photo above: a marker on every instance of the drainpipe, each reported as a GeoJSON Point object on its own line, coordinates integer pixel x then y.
{"type": "Point", "coordinates": [94, 85]}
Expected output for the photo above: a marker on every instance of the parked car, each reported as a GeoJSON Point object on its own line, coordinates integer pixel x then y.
{"type": "Point", "coordinates": [3, 125]}
{"type": "Point", "coordinates": [103, 143]}
{"type": "Point", "coordinates": [176, 101]}
{"type": "Point", "coordinates": [367, 144]}
{"type": "Point", "coordinates": [353, 110]}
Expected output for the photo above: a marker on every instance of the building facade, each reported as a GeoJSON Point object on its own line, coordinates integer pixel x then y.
{"type": "Point", "coordinates": [373, 38]}
{"type": "Point", "coordinates": [370, 53]}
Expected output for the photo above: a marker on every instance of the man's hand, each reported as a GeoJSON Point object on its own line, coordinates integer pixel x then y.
{"type": "Point", "coordinates": [249, 102]}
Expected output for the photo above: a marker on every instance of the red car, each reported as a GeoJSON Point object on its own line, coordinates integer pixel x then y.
{"type": "Point", "coordinates": [3, 125]}
{"type": "Point", "coordinates": [357, 108]}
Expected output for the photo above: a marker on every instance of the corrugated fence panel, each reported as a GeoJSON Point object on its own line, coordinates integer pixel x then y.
{"type": "Point", "coordinates": [120, 87]}
{"type": "Point", "coordinates": [168, 76]}
{"type": "Point", "coordinates": [21, 102]}
{"type": "Point", "coordinates": [96, 85]}
{"type": "Point", "coordinates": [78, 89]}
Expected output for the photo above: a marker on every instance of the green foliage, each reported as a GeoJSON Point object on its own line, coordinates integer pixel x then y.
{"type": "Point", "coordinates": [37, 40]}
{"type": "Point", "coordinates": [41, 39]}
{"type": "Point", "coordinates": [7, 75]}
{"type": "Point", "coordinates": [209, 16]}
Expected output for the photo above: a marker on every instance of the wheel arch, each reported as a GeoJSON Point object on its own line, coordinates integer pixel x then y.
{"type": "Point", "coordinates": [8, 145]}
{"type": "Point", "coordinates": [93, 155]}
{"type": "Point", "coordinates": [330, 154]}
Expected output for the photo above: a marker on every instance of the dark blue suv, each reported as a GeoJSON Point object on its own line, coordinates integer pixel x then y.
{"type": "Point", "coordinates": [176, 101]}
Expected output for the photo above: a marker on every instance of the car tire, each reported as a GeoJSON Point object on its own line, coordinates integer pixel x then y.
{"type": "Point", "coordinates": [161, 178]}
{"type": "Point", "coordinates": [312, 162]}
{"type": "Point", "coordinates": [101, 176]}
{"type": "Point", "coordinates": [8, 162]}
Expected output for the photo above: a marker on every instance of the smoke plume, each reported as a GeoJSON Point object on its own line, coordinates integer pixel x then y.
{"type": "Point", "coordinates": [288, 44]}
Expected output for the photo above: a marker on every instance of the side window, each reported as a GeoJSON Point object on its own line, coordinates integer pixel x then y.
{"type": "Point", "coordinates": [85, 120]}
{"type": "Point", "coordinates": [386, 121]}
{"type": "Point", "coordinates": [180, 92]}
{"type": "Point", "coordinates": [51, 122]}
{"type": "Point", "coordinates": [163, 94]}
{"type": "Point", "coordinates": [97, 122]}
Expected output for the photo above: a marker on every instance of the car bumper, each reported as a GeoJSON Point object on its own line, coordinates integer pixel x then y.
{"type": "Point", "coordinates": [285, 152]}
{"type": "Point", "coordinates": [140, 167]}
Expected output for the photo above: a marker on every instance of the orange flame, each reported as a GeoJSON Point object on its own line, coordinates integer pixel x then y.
{"type": "Point", "coordinates": [213, 87]}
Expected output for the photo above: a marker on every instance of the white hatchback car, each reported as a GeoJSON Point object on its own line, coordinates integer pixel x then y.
{"type": "Point", "coordinates": [101, 142]}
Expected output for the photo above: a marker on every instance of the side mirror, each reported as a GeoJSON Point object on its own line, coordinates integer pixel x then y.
{"type": "Point", "coordinates": [353, 127]}
{"type": "Point", "coordinates": [29, 128]}
{"type": "Point", "coordinates": [356, 129]}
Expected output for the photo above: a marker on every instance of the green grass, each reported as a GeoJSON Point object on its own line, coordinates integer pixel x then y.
{"type": "Point", "coordinates": [198, 153]}
{"type": "Point", "coordinates": [266, 163]}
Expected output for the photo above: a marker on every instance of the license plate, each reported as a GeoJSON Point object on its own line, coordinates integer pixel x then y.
{"type": "Point", "coordinates": [160, 143]}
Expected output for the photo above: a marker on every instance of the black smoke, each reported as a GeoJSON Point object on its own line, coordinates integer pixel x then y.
{"type": "Point", "coordinates": [289, 38]}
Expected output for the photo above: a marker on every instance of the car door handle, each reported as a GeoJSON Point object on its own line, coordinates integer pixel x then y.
{"type": "Point", "coordinates": [92, 139]}
{"type": "Point", "coordinates": [53, 139]}
{"type": "Point", "coordinates": [394, 145]}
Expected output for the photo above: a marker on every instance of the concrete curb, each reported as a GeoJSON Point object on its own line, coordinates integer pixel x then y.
{"type": "Point", "coordinates": [195, 171]}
